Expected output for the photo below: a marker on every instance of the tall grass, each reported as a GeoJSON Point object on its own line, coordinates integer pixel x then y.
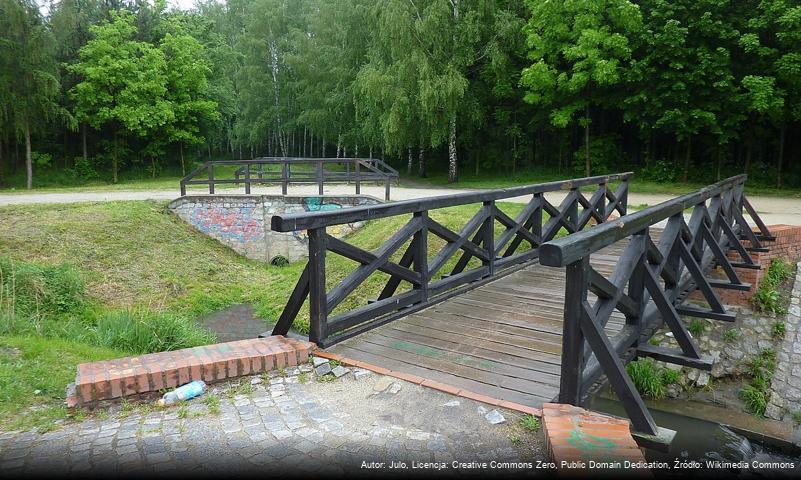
{"type": "Point", "coordinates": [51, 301]}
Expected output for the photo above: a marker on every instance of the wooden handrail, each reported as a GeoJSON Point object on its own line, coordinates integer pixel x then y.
{"type": "Point", "coordinates": [650, 282]}
{"type": "Point", "coordinates": [307, 220]}
{"type": "Point", "coordinates": [376, 171]}
{"type": "Point", "coordinates": [517, 245]}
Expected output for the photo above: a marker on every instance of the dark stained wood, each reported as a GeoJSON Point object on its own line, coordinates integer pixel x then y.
{"type": "Point", "coordinates": [502, 339]}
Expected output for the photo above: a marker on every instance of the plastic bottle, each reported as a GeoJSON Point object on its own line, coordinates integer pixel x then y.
{"type": "Point", "coordinates": [184, 392]}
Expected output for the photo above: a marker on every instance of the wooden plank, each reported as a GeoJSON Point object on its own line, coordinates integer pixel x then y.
{"type": "Point", "coordinates": [482, 340]}
{"type": "Point", "coordinates": [449, 366]}
{"type": "Point", "coordinates": [456, 345]}
{"type": "Point", "coordinates": [502, 340]}
{"type": "Point", "coordinates": [531, 399]}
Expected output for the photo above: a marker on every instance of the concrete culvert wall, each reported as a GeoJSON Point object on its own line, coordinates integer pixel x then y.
{"type": "Point", "coordinates": [242, 222]}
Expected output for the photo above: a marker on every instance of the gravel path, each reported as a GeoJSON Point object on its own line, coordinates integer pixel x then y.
{"type": "Point", "coordinates": [773, 210]}
{"type": "Point", "coordinates": [281, 426]}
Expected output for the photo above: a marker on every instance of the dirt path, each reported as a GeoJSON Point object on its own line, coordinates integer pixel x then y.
{"type": "Point", "coordinates": [773, 210]}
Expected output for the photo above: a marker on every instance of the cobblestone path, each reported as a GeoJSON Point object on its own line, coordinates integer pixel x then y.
{"type": "Point", "coordinates": [278, 425]}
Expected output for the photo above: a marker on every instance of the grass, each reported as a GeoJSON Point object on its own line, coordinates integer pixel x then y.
{"type": "Point", "coordinates": [696, 326]}
{"type": "Point", "coordinates": [768, 298]}
{"type": "Point", "coordinates": [92, 281]}
{"type": "Point", "coordinates": [756, 394]}
{"type": "Point", "coordinates": [30, 363]}
{"type": "Point", "coordinates": [730, 335]}
{"type": "Point", "coordinates": [651, 379]}
{"type": "Point", "coordinates": [502, 179]}
{"type": "Point", "coordinates": [530, 423]}
{"type": "Point", "coordinates": [778, 330]}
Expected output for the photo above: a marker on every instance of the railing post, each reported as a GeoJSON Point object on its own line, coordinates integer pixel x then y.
{"type": "Point", "coordinates": [247, 179]}
{"type": "Point", "coordinates": [318, 301]}
{"type": "Point", "coordinates": [183, 188]}
{"type": "Point", "coordinates": [624, 201]}
{"type": "Point", "coordinates": [573, 214]}
{"type": "Point", "coordinates": [211, 178]}
{"type": "Point", "coordinates": [489, 236]}
{"type": "Point", "coordinates": [284, 177]}
{"type": "Point", "coordinates": [386, 189]}
{"type": "Point", "coordinates": [358, 180]}
{"type": "Point", "coordinates": [576, 285]}
{"type": "Point", "coordinates": [320, 177]}
{"type": "Point", "coordinates": [421, 254]}
{"type": "Point", "coordinates": [347, 173]}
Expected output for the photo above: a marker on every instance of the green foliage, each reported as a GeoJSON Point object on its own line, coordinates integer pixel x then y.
{"type": "Point", "coordinates": [669, 376]}
{"type": "Point", "coordinates": [30, 293]}
{"type": "Point", "coordinates": [767, 297]}
{"type": "Point", "coordinates": [696, 326]}
{"type": "Point", "coordinates": [140, 331]}
{"type": "Point", "coordinates": [647, 377]}
{"type": "Point", "coordinates": [530, 423]}
{"type": "Point", "coordinates": [778, 330]}
{"type": "Point", "coordinates": [757, 393]}
{"type": "Point", "coordinates": [731, 335]}
{"type": "Point", "coordinates": [755, 398]}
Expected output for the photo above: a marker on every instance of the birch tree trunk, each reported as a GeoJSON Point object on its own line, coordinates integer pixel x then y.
{"type": "Point", "coordinates": [409, 163]}
{"type": "Point", "coordinates": [28, 157]}
{"type": "Point", "coordinates": [453, 174]}
{"type": "Point", "coordinates": [421, 162]}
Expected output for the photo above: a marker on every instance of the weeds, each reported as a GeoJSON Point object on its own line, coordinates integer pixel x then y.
{"type": "Point", "coordinates": [651, 379]}
{"type": "Point", "coordinates": [696, 326]}
{"type": "Point", "coordinates": [212, 403]}
{"type": "Point", "coordinates": [530, 423]}
{"type": "Point", "coordinates": [756, 394]}
{"type": "Point", "coordinates": [767, 297]}
{"type": "Point", "coordinates": [303, 377]}
{"type": "Point", "coordinates": [778, 331]}
{"type": "Point", "coordinates": [731, 335]}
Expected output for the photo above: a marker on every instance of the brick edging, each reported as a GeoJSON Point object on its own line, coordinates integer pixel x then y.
{"type": "Point", "coordinates": [417, 380]}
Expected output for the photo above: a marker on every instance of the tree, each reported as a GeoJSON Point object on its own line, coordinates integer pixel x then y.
{"type": "Point", "coordinates": [123, 83]}
{"type": "Point", "coordinates": [187, 90]}
{"type": "Point", "coordinates": [28, 74]}
{"type": "Point", "coordinates": [579, 50]}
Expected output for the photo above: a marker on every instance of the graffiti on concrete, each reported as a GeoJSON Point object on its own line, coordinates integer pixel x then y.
{"type": "Point", "coordinates": [317, 204]}
{"type": "Point", "coordinates": [237, 224]}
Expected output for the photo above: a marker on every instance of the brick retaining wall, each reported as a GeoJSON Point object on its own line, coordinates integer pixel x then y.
{"type": "Point", "coordinates": [787, 247]}
{"type": "Point", "coordinates": [156, 371]}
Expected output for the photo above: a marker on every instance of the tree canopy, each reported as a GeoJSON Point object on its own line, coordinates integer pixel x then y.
{"type": "Point", "coordinates": [680, 90]}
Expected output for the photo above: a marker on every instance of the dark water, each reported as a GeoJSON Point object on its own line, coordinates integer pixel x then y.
{"type": "Point", "coordinates": [702, 441]}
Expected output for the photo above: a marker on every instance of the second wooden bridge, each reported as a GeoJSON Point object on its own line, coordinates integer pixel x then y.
{"type": "Point", "coordinates": [545, 306]}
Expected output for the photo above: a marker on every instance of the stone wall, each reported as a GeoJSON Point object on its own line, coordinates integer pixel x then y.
{"type": "Point", "coordinates": [242, 222]}
{"type": "Point", "coordinates": [786, 247]}
{"type": "Point", "coordinates": [786, 384]}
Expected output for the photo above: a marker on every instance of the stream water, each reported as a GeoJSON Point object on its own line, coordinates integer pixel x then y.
{"type": "Point", "coordinates": [702, 441]}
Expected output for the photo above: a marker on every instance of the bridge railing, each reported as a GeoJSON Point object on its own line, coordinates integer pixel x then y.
{"type": "Point", "coordinates": [290, 170]}
{"type": "Point", "coordinates": [653, 277]}
{"type": "Point", "coordinates": [467, 258]}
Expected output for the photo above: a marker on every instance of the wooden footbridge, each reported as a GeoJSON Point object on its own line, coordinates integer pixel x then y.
{"type": "Point", "coordinates": [544, 306]}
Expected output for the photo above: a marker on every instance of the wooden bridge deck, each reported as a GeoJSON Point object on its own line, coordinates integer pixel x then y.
{"type": "Point", "coordinates": [502, 339]}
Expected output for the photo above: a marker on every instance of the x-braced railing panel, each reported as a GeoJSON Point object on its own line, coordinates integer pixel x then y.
{"type": "Point", "coordinates": [291, 170]}
{"type": "Point", "coordinates": [489, 244]}
{"type": "Point", "coordinates": [649, 284]}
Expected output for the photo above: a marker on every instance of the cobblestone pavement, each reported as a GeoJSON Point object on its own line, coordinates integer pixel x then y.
{"type": "Point", "coordinates": [277, 425]}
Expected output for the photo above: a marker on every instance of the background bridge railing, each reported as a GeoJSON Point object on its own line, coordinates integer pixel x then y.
{"type": "Point", "coordinates": [649, 285]}
{"type": "Point", "coordinates": [290, 170]}
{"type": "Point", "coordinates": [469, 257]}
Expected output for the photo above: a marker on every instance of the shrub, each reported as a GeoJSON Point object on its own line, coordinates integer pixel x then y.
{"type": "Point", "coordinates": [140, 331]}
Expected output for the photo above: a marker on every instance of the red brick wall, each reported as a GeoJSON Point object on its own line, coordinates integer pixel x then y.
{"type": "Point", "coordinates": [787, 247]}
